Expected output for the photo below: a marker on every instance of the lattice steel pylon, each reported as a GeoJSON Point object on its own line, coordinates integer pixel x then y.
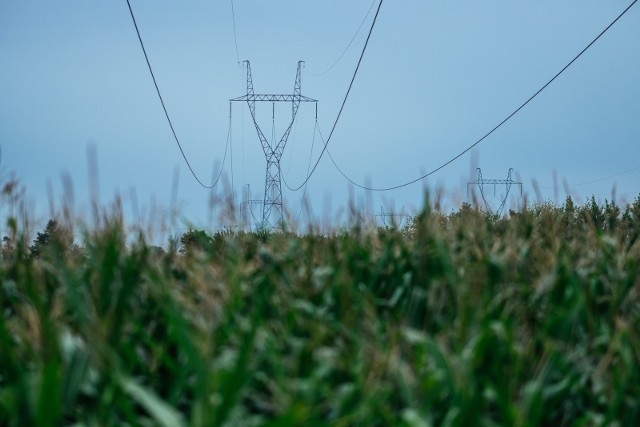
{"type": "Point", "coordinates": [481, 182]}
{"type": "Point", "coordinates": [396, 219]}
{"type": "Point", "coordinates": [272, 211]}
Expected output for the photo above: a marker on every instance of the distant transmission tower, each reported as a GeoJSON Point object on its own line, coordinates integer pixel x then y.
{"type": "Point", "coordinates": [481, 183]}
{"type": "Point", "coordinates": [272, 212]}
{"type": "Point", "coordinates": [392, 219]}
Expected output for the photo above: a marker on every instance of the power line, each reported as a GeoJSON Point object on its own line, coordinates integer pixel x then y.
{"type": "Point", "coordinates": [594, 181]}
{"type": "Point", "coordinates": [304, 192]}
{"type": "Point", "coordinates": [609, 177]}
{"type": "Point", "coordinates": [344, 101]}
{"type": "Point", "coordinates": [350, 42]}
{"type": "Point", "coordinates": [166, 113]}
{"type": "Point", "coordinates": [233, 194]}
{"type": "Point", "coordinates": [499, 125]}
{"type": "Point", "coordinates": [224, 158]}
{"type": "Point", "coordinates": [293, 145]}
{"type": "Point", "coordinates": [235, 35]}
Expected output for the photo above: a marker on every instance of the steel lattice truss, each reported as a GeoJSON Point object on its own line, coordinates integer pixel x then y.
{"type": "Point", "coordinates": [272, 211]}
{"type": "Point", "coordinates": [274, 98]}
{"type": "Point", "coordinates": [395, 219]}
{"type": "Point", "coordinates": [482, 182]}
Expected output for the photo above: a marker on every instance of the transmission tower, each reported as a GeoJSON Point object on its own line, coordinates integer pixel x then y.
{"type": "Point", "coordinates": [482, 182]}
{"type": "Point", "coordinates": [272, 212]}
{"type": "Point", "coordinates": [392, 219]}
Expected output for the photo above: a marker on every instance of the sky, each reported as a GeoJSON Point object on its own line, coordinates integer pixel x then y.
{"type": "Point", "coordinates": [436, 76]}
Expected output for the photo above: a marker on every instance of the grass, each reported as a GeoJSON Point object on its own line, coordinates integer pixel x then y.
{"type": "Point", "coordinates": [460, 319]}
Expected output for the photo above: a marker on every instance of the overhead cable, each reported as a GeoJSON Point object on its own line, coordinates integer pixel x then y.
{"type": "Point", "coordinates": [348, 45]}
{"type": "Point", "coordinates": [594, 181]}
{"type": "Point", "coordinates": [235, 35]}
{"type": "Point", "coordinates": [304, 192]}
{"type": "Point", "coordinates": [166, 113]}
{"type": "Point", "coordinates": [499, 125]}
{"type": "Point", "coordinates": [224, 157]}
{"type": "Point", "coordinates": [344, 101]}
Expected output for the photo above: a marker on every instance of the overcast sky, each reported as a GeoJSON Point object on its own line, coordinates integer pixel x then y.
{"type": "Point", "coordinates": [437, 76]}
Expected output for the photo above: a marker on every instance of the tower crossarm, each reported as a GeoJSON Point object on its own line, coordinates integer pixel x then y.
{"type": "Point", "coordinates": [273, 98]}
{"type": "Point", "coordinates": [495, 181]}
{"type": "Point", "coordinates": [296, 98]}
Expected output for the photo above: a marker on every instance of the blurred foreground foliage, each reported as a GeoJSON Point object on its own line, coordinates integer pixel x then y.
{"type": "Point", "coordinates": [457, 320]}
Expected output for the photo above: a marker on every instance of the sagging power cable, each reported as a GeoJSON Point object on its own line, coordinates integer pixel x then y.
{"type": "Point", "coordinates": [344, 101]}
{"type": "Point", "coordinates": [498, 126]}
{"type": "Point", "coordinates": [235, 34]}
{"type": "Point", "coordinates": [166, 113]}
{"type": "Point", "coordinates": [349, 44]}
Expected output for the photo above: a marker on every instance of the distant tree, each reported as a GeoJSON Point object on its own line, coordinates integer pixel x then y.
{"type": "Point", "coordinates": [6, 252]}
{"type": "Point", "coordinates": [612, 214]}
{"type": "Point", "coordinates": [569, 207]}
{"type": "Point", "coordinates": [631, 218]}
{"type": "Point", "coordinates": [194, 240]}
{"type": "Point", "coordinates": [568, 218]}
{"type": "Point", "coordinates": [156, 251]}
{"type": "Point", "coordinates": [55, 239]}
{"type": "Point", "coordinates": [592, 214]}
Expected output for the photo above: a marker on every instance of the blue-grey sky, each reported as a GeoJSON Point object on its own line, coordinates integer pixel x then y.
{"type": "Point", "coordinates": [437, 76]}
